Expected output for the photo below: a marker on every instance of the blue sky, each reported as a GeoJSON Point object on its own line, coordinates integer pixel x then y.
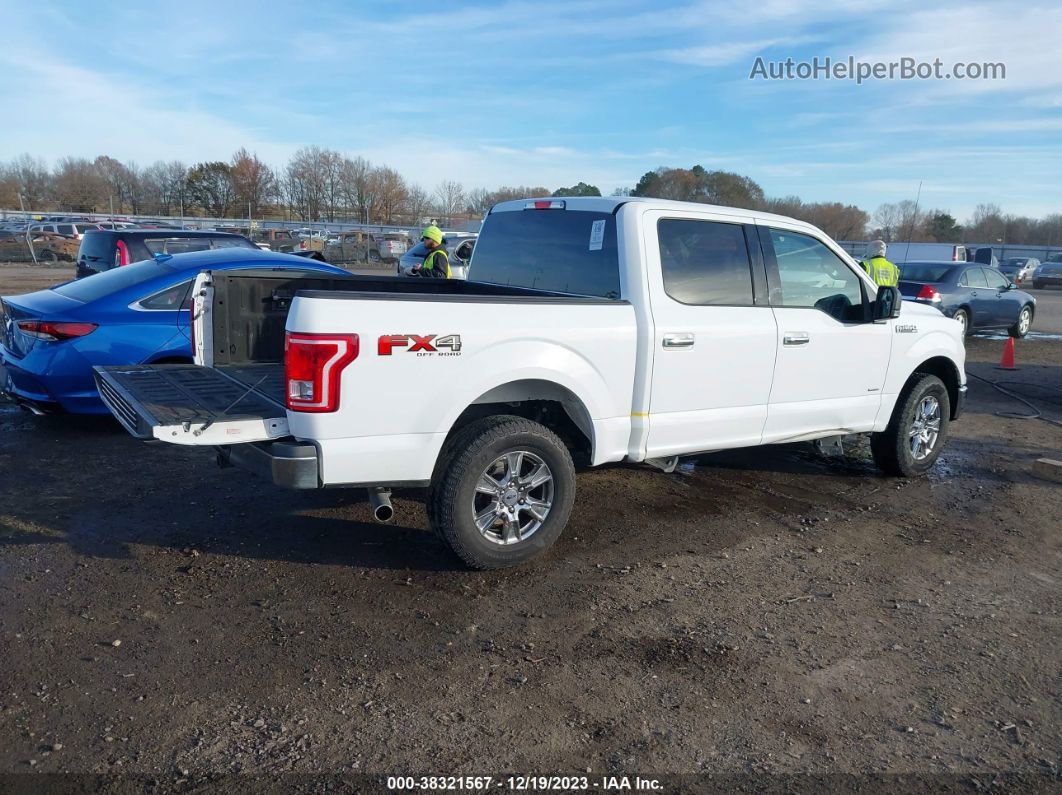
{"type": "Point", "coordinates": [551, 93]}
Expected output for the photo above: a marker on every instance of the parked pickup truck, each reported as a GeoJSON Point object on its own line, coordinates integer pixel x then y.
{"type": "Point", "coordinates": [591, 331]}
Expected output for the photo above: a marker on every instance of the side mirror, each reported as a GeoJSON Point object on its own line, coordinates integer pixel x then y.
{"type": "Point", "coordinates": [1012, 286]}
{"type": "Point", "coordinates": [886, 304]}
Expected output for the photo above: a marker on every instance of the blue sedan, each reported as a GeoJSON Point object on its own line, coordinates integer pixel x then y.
{"type": "Point", "coordinates": [137, 314]}
{"type": "Point", "coordinates": [977, 296]}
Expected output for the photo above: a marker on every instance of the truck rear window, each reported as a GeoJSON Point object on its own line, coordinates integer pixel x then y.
{"type": "Point", "coordinates": [564, 251]}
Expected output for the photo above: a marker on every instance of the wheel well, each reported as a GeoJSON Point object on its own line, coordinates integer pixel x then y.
{"type": "Point", "coordinates": [544, 402]}
{"type": "Point", "coordinates": [944, 369]}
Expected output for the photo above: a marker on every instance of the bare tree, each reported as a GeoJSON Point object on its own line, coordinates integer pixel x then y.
{"type": "Point", "coordinates": [887, 219]}
{"type": "Point", "coordinates": [33, 180]}
{"type": "Point", "coordinates": [391, 191]}
{"type": "Point", "coordinates": [359, 187]}
{"type": "Point", "coordinates": [79, 186]}
{"type": "Point", "coordinates": [480, 200]}
{"type": "Point", "coordinates": [418, 204]}
{"type": "Point", "coordinates": [252, 182]}
{"type": "Point", "coordinates": [121, 182]}
{"type": "Point", "coordinates": [449, 200]}
{"type": "Point", "coordinates": [312, 182]}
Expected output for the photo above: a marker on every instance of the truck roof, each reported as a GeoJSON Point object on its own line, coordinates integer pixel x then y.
{"type": "Point", "coordinates": [608, 204]}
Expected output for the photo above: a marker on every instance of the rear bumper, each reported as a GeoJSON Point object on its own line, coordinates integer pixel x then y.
{"type": "Point", "coordinates": [1045, 280]}
{"type": "Point", "coordinates": [39, 383]}
{"type": "Point", "coordinates": [290, 464]}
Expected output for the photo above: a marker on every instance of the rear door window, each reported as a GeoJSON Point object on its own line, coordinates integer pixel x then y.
{"type": "Point", "coordinates": [564, 251]}
{"type": "Point", "coordinates": [974, 277]}
{"type": "Point", "coordinates": [995, 279]}
{"type": "Point", "coordinates": [705, 262]}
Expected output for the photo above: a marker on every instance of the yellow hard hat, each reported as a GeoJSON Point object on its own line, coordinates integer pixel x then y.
{"type": "Point", "coordinates": [432, 233]}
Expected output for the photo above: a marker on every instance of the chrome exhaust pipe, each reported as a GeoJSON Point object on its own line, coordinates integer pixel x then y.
{"type": "Point", "coordinates": [380, 502]}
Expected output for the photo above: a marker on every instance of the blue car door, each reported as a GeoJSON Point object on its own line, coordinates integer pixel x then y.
{"type": "Point", "coordinates": [1007, 304]}
{"type": "Point", "coordinates": [982, 303]}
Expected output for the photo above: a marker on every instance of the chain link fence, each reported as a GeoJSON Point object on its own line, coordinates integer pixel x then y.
{"type": "Point", "coordinates": [48, 238]}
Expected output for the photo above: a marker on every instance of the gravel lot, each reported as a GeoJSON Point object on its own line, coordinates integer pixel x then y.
{"type": "Point", "coordinates": [753, 617]}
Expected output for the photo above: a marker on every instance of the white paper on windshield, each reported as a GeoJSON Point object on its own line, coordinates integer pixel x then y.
{"type": "Point", "coordinates": [597, 235]}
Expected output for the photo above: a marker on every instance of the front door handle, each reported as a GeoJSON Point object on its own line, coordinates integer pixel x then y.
{"type": "Point", "coordinates": [796, 338]}
{"type": "Point", "coordinates": [682, 340]}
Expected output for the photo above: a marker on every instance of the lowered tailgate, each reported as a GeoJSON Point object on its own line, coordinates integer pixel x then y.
{"type": "Point", "coordinates": [193, 405]}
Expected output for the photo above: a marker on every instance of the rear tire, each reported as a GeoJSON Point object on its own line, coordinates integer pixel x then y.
{"type": "Point", "coordinates": [917, 431]}
{"type": "Point", "coordinates": [490, 517]}
{"type": "Point", "coordinates": [1023, 323]}
{"type": "Point", "coordinates": [1038, 285]}
{"type": "Point", "coordinates": [962, 317]}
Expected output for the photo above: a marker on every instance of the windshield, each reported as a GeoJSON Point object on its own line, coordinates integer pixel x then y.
{"type": "Point", "coordinates": [102, 284]}
{"type": "Point", "coordinates": [564, 251]}
{"type": "Point", "coordinates": [924, 273]}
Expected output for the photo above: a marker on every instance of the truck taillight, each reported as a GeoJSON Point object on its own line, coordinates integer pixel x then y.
{"type": "Point", "coordinates": [928, 293]}
{"type": "Point", "coordinates": [313, 364]}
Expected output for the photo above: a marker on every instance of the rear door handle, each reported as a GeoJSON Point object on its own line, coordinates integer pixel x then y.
{"type": "Point", "coordinates": [682, 340]}
{"type": "Point", "coordinates": [796, 338]}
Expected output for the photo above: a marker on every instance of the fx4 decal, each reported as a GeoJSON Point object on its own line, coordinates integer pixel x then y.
{"type": "Point", "coordinates": [906, 328]}
{"type": "Point", "coordinates": [422, 345]}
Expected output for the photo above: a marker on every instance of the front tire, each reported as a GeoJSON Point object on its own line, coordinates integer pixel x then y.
{"type": "Point", "coordinates": [1023, 323]}
{"type": "Point", "coordinates": [917, 431]}
{"type": "Point", "coordinates": [502, 492]}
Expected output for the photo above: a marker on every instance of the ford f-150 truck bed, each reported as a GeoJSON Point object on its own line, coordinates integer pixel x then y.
{"type": "Point", "coordinates": [590, 331]}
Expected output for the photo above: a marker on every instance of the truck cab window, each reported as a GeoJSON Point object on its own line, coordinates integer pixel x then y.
{"type": "Point", "coordinates": [705, 262]}
{"type": "Point", "coordinates": [812, 276]}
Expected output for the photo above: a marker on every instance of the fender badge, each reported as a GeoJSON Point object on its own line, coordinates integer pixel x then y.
{"type": "Point", "coordinates": [906, 328]}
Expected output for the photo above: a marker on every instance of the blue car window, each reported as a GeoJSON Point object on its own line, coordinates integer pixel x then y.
{"type": "Point", "coordinates": [99, 285]}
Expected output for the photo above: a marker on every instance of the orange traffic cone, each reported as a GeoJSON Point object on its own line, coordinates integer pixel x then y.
{"type": "Point", "coordinates": [1007, 362]}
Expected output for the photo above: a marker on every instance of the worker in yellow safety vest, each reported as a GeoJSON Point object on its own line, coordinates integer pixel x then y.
{"type": "Point", "coordinates": [437, 264]}
{"type": "Point", "coordinates": [883, 272]}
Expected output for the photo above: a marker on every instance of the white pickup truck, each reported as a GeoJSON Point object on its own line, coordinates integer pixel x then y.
{"type": "Point", "coordinates": [592, 331]}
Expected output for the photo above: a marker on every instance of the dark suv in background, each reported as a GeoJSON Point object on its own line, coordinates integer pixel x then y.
{"type": "Point", "coordinates": [104, 249]}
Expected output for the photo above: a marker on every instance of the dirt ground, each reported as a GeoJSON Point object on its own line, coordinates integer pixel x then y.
{"type": "Point", "coordinates": [769, 618]}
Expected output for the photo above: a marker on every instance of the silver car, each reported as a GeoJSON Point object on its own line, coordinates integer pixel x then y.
{"type": "Point", "coordinates": [458, 245]}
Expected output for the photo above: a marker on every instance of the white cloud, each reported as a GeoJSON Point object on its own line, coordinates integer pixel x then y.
{"type": "Point", "coordinates": [722, 53]}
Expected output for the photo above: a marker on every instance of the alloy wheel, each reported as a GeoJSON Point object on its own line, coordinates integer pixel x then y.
{"type": "Point", "coordinates": [513, 497]}
{"type": "Point", "coordinates": [925, 428]}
